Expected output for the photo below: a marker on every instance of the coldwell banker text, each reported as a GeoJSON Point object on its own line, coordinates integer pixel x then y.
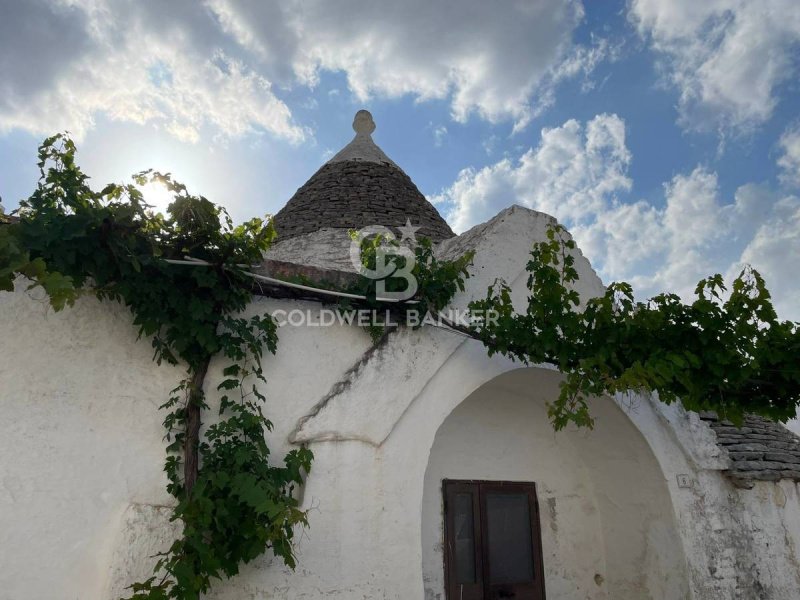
{"type": "Point", "coordinates": [328, 317]}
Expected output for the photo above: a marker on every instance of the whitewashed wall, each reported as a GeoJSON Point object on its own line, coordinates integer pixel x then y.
{"type": "Point", "coordinates": [80, 440]}
{"type": "Point", "coordinates": [739, 543]}
{"type": "Point", "coordinates": [82, 490]}
{"type": "Point", "coordinates": [606, 521]}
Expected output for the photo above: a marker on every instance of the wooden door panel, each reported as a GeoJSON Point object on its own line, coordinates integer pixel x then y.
{"type": "Point", "coordinates": [501, 522]}
{"type": "Point", "coordinates": [464, 569]}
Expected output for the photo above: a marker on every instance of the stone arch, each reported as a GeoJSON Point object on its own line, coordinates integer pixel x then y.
{"type": "Point", "coordinates": [608, 524]}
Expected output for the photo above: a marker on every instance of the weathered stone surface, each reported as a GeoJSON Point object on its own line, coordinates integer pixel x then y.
{"type": "Point", "coordinates": [785, 446]}
{"type": "Point", "coordinates": [761, 436]}
{"type": "Point", "coordinates": [354, 194]}
{"type": "Point", "coordinates": [781, 457]}
{"type": "Point", "coordinates": [725, 438]}
{"type": "Point", "coordinates": [759, 475]}
{"type": "Point", "coordinates": [723, 430]}
{"type": "Point", "coordinates": [746, 455]}
{"type": "Point", "coordinates": [744, 447]}
{"type": "Point", "coordinates": [306, 273]}
{"type": "Point", "coordinates": [745, 483]}
{"type": "Point", "coordinates": [759, 450]}
{"type": "Point", "coordinates": [759, 465]}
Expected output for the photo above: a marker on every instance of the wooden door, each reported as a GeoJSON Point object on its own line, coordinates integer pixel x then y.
{"type": "Point", "coordinates": [493, 544]}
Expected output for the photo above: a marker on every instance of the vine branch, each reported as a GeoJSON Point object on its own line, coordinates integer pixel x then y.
{"type": "Point", "coordinates": [195, 403]}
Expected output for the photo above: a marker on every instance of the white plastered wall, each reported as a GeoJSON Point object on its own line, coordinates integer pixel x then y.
{"type": "Point", "coordinates": [497, 435]}
{"type": "Point", "coordinates": [606, 521]}
{"type": "Point", "coordinates": [80, 440]}
{"type": "Point", "coordinates": [81, 455]}
{"type": "Point", "coordinates": [83, 504]}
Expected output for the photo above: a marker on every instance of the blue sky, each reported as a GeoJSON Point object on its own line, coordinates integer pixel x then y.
{"type": "Point", "coordinates": [664, 133]}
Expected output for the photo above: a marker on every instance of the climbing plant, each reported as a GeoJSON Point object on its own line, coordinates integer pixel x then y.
{"type": "Point", "coordinates": [726, 354]}
{"type": "Point", "coordinates": [437, 282]}
{"type": "Point", "coordinates": [184, 277]}
{"type": "Point", "coordinates": [71, 240]}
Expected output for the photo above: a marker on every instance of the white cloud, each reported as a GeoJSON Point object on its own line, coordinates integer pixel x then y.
{"type": "Point", "coordinates": [577, 173]}
{"type": "Point", "coordinates": [726, 57]}
{"type": "Point", "coordinates": [439, 135]}
{"type": "Point", "coordinates": [789, 161]}
{"type": "Point", "coordinates": [622, 238]}
{"type": "Point", "coordinates": [125, 68]}
{"type": "Point", "coordinates": [486, 58]}
{"type": "Point", "coordinates": [64, 62]}
{"type": "Point", "coordinates": [775, 252]}
{"type": "Point", "coordinates": [690, 228]}
{"type": "Point", "coordinates": [573, 173]}
{"type": "Point", "coordinates": [695, 234]}
{"type": "Point", "coordinates": [580, 62]}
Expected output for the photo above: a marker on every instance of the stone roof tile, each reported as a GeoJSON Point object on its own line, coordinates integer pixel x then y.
{"type": "Point", "coordinates": [760, 450]}
{"type": "Point", "coordinates": [354, 194]}
{"type": "Point", "coordinates": [360, 186]}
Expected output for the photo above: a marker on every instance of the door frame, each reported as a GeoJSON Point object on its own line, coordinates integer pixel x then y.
{"type": "Point", "coordinates": [482, 568]}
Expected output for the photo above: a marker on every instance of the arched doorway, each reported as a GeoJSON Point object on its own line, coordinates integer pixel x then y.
{"type": "Point", "coordinates": [606, 521]}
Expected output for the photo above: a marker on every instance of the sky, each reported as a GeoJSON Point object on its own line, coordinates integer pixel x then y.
{"type": "Point", "coordinates": [665, 134]}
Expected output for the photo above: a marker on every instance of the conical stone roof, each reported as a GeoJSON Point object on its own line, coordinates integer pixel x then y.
{"type": "Point", "coordinates": [359, 187]}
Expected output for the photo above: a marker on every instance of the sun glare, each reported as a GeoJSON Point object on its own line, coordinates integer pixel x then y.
{"type": "Point", "coordinates": [157, 196]}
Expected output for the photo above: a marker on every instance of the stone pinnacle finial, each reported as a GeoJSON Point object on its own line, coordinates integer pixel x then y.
{"type": "Point", "coordinates": [363, 123]}
{"type": "Point", "coordinates": [362, 146]}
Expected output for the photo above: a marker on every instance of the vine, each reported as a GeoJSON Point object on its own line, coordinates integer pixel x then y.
{"type": "Point", "coordinates": [732, 356]}
{"type": "Point", "coordinates": [437, 283]}
{"type": "Point", "coordinates": [71, 240]}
